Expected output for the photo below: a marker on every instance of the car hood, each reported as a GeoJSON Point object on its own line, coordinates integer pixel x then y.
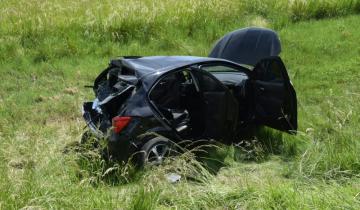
{"type": "Point", "coordinates": [247, 46]}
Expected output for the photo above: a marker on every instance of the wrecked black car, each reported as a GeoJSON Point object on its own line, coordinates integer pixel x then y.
{"type": "Point", "coordinates": [146, 103]}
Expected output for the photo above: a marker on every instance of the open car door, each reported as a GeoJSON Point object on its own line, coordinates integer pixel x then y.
{"type": "Point", "coordinates": [195, 105]}
{"type": "Point", "coordinates": [220, 107]}
{"type": "Point", "coordinates": [274, 96]}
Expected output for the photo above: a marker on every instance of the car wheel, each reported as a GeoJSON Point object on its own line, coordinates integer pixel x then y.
{"type": "Point", "coordinates": [154, 151]}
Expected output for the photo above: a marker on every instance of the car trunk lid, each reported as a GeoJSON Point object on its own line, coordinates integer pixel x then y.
{"type": "Point", "coordinates": [247, 46]}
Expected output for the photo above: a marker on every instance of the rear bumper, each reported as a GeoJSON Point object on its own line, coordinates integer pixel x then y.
{"type": "Point", "coordinates": [120, 146]}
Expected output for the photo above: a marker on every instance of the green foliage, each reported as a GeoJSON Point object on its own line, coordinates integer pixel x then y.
{"type": "Point", "coordinates": [303, 10]}
{"type": "Point", "coordinates": [145, 199]}
{"type": "Point", "coordinates": [48, 30]}
{"type": "Point", "coordinates": [50, 49]}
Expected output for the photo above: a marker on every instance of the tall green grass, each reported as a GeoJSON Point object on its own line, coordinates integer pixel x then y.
{"type": "Point", "coordinates": [45, 30]}
{"type": "Point", "coordinates": [50, 49]}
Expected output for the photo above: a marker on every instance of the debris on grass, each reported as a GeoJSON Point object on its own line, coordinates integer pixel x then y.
{"type": "Point", "coordinates": [173, 177]}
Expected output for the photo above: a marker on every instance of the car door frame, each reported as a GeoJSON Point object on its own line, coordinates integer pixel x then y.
{"type": "Point", "coordinates": [194, 67]}
{"type": "Point", "coordinates": [240, 68]}
{"type": "Point", "coordinates": [153, 106]}
{"type": "Point", "coordinates": [283, 121]}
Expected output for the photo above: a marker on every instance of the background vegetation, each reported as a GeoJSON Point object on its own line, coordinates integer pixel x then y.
{"type": "Point", "coordinates": [50, 49]}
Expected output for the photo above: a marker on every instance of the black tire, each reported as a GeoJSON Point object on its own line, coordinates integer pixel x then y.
{"type": "Point", "coordinates": [154, 151]}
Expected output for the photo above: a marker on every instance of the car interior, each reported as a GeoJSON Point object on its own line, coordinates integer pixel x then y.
{"type": "Point", "coordinates": [179, 101]}
{"type": "Point", "coordinates": [201, 107]}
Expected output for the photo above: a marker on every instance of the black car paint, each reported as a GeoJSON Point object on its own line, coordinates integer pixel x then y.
{"type": "Point", "coordinates": [122, 145]}
{"type": "Point", "coordinates": [247, 46]}
{"type": "Point", "coordinates": [142, 74]}
{"type": "Point", "coordinates": [284, 122]}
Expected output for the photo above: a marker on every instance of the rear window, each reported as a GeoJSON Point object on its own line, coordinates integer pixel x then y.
{"type": "Point", "coordinates": [112, 85]}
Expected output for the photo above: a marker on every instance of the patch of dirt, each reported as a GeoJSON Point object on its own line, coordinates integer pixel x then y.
{"type": "Point", "coordinates": [71, 90]}
{"type": "Point", "coordinates": [20, 164]}
{"type": "Point", "coordinates": [40, 98]}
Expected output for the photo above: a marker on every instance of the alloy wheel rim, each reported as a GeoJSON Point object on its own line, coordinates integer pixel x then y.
{"type": "Point", "coordinates": [157, 154]}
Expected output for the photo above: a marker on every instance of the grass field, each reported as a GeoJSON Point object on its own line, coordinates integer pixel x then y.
{"type": "Point", "coordinates": [50, 49]}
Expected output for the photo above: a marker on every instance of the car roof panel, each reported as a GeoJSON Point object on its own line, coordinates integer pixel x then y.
{"type": "Point", "coordinates": [159, 64]}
